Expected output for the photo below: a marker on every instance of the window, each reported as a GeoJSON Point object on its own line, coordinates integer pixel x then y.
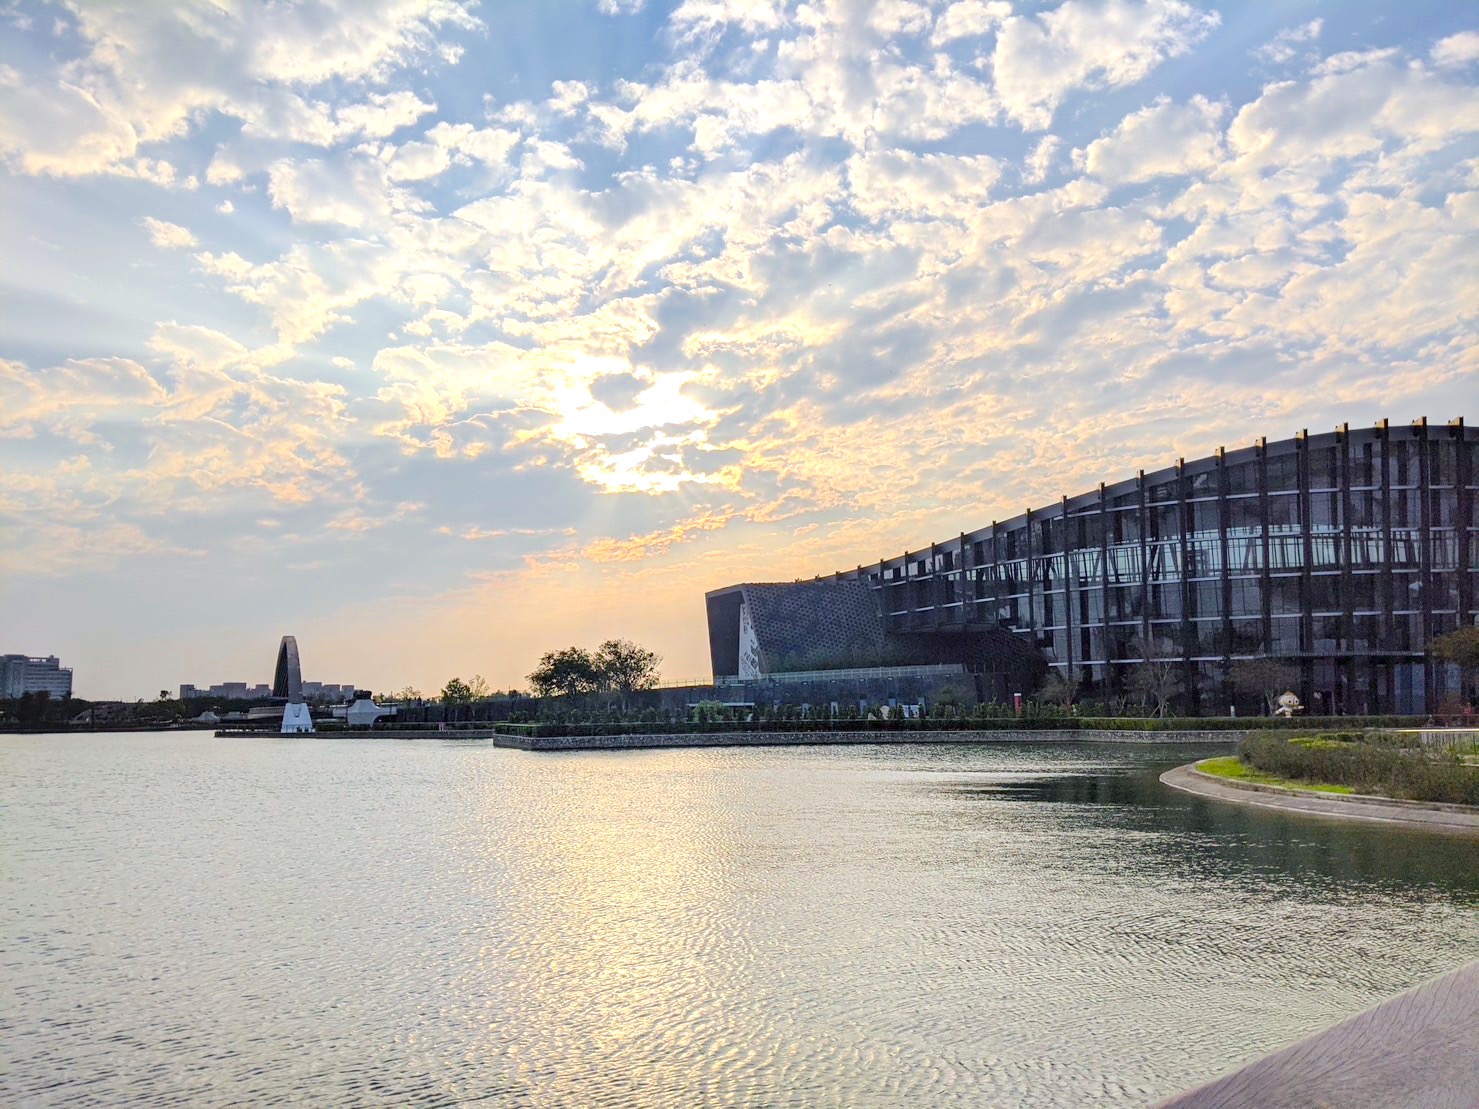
{"type": "Point", "coordinates": [1324, 468]}
{"type": "Point", "coordinates": [1283, 473]}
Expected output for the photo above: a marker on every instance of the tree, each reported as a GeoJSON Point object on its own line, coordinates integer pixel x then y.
{"type": "Point", "coordinates": [477, 688]}
{"type": "Point", "coordinates": [1061, 688]}
{"type": "Point", "coordinates": [406, 693]}
{"type": "Point", "coordinates": [624, 667]}
{"type": "Point", "coordinates": [1459, 648]}
{"type": "Point", "coordinates": [456, 692]}
{"type": "Point", "coordinates": [565, 673]}
{"type": "Point", "coordinates": [1263, 677]}
{"type": "Point", "coordinates": [1157, 679]}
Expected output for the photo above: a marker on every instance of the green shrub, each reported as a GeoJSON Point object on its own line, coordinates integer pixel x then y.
{"type": "Point", "coordinates": [1371, 763]}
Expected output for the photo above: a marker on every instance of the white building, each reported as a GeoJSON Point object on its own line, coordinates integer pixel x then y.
{"type": "Point", "coordinates": [21, 674]}
{"type": "Point", "coordinates": [24, 674]}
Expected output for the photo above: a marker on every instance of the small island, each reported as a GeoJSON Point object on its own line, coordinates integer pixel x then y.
{"type": "Point", "coordinates": [1427, 777]}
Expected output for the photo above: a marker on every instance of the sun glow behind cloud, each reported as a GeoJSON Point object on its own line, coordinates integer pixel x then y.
{"type": "Point", "coordinates": [455, 332]}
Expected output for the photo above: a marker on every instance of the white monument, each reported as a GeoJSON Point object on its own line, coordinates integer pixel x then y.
{"type": "Point", "coordinates": [288, 684]}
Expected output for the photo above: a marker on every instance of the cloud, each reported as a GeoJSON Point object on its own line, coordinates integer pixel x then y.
{"type": "Point", "coordinates": [168, 236]}
{"type": "Point", "coordinates": [1165, 138]}
{"type": "Point", "coordinates": [1284, 46]}
{"type": "Point", "coordinates": [1039, 59]}
{"type": "Point", "coordinates": [145, 74]}
{"type": "Point", "coordinates": [1457, 50]}
{"type": "Point", "coordinates": [1039, 162]}
{"type": "Point", "coordinates": [969, 19]}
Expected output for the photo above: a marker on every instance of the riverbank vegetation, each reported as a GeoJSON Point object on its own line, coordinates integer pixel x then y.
{"type": "Point", "coordinates": [1391, 764]}
{"type": "Point", "coordinates": [1235, 769]}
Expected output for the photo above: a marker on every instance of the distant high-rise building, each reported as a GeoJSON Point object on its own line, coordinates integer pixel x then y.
{"type": "Point", "coordinates": [20, 674]}
{"type": "Point", "coordinates": [241, 691]}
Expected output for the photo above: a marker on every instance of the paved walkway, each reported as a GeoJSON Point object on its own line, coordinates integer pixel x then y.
{"type": "Point", "coordinates": [1420, 1048]}
{"type": "Point", "coordinates": [1438, 818]}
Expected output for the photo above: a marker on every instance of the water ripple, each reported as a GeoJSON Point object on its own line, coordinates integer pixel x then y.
{"type": "Point", "coordinates": [191, 921]}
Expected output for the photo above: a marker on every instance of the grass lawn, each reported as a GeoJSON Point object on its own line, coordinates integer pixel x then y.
{"type": "Point", "coordinates": [1230, 766]}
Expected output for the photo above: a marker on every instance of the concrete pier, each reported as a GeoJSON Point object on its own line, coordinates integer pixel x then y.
{"type": "Point", "coordinates": [1421, 1048]}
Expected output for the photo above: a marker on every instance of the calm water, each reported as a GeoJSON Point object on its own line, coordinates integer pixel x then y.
{"type": "Point", "coordinates": [208, 921]}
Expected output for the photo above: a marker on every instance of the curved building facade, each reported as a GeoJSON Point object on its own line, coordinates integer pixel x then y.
{"type": "Point", "coordinates": [1344, 553]}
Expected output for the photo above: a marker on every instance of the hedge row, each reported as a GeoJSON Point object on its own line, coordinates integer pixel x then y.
{"type": "Point", "coordinates": [1367, 763]}
{"type": "Point", "coordinates": [957, 724]}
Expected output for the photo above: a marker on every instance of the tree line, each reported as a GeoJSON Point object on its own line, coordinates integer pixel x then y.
{"type": "Point", "coordinates": [617, 666]}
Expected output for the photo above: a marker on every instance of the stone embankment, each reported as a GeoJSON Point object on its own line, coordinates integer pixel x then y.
{"type": "Point", "coordinates": [830, 739]}
{"type": "Point", "coordinates": [1420, 1048]}
{"type": "Point", "coordinates": [1433, 815]}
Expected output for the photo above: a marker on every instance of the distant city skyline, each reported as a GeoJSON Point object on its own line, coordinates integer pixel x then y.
{"type": "Point", "coordinates": [448, 334]}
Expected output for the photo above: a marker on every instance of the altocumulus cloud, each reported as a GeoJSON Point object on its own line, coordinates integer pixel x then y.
{"type": "Point", "coordinates": [373, 294]}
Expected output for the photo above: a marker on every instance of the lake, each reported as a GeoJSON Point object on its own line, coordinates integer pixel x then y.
{"type": "Point", "coordinates": [203, 921]}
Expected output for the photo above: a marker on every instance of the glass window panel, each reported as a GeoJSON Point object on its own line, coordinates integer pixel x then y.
{"type": "Point", "coordinates": [1325, 593]}
{"type": "Point", "coordinates": [1443, 508]}
{"type": "Point", "coordinates": [1204, 557]}
{"type": "Point", "coordinates": [1206, 599]}
{"type": "Point", "coordinates": [1285, 594]}
{"type": "Point", "coordinates": [1325, 511]}
{"type": "Point", "coordinates": [1405, 509]}
{"type": "Point", "coordinates": [1124, 602]}
{"type": "Point", "coordinates": [1445, 592]}
{"type": "Point", "coordinates": [1124, 527]}
{"type": "Point", "coordinates": [1329, 632]}
{"type": "Point", "coordinates": [1204, 516]}
{"type": "Point", "coordinates": [1366, 463]}
{"type": "Point", "coordinates": [1165, 521]}
{"type": "Point", "coordinates": [1125, 564]}
{"type": "Point", "coordinates": [1283, 473]}
{"type": "Point", "coordinates": [1244, 514]}
{"type": "Point", "coordinates": [1285, 636]}
{"type": "Point", "coordinates": [1244, 555]}
{"type": "Point", "coordinates": [1206, 637]}
{"type": "Point", "coordinates": [1247, 638]}
{"type": "Point", "coordinates": [1323, 471]}
{"type": "Point", "coordinates": [1363, 592]}
{"type": "Point", "coordinates": [1165, 562]}
{"type": "Point", "coordinates": [1283, 512]}
{"type": "Point", "coordinates": [1366, 508]}
{"type": "Point", "coordinates": [1443, 462]}
{"type": "Point", "coordinates": [1402, 462]}
{"type": "Point", "coordinates": [1165, 601]}
{"type": "Point", "coordinates": [1242, 478]}
{"type": "Point", "coordinates": [1203, 484]}
{"type": "Point", "coordinates": [1091, 606]}
{"type": "Point", "coordinates": [1444, 549]}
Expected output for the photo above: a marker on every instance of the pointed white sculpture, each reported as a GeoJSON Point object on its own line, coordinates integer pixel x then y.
{"type": "Point", "coordinates": [296, 718]}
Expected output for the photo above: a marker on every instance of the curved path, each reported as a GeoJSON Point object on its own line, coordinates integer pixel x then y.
{"type": "Point", "coordinates": [1420, 1048]}
{"type": "Point", "coordinates": [1460, 819]}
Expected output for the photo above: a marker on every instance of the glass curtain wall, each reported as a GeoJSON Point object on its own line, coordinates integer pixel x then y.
{"type": "Point", "coordinates": [1344, 553]}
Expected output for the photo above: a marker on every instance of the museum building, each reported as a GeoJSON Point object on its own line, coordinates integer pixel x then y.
{"type": "Point", "coordinates": [1344, 553]}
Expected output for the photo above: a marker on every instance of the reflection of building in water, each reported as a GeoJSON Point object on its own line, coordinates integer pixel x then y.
{"type": "Point", "coordinates": [1345, 553]}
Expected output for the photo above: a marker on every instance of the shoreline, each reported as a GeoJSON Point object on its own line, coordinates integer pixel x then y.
{"type": "Point", "coordinates": [648, 741]}
{"type": "Point", "coordinates": [1433, 816]}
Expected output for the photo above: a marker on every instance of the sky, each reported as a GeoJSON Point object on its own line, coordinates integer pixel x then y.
{"type": "Point", "coordinates": [443, 334]}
